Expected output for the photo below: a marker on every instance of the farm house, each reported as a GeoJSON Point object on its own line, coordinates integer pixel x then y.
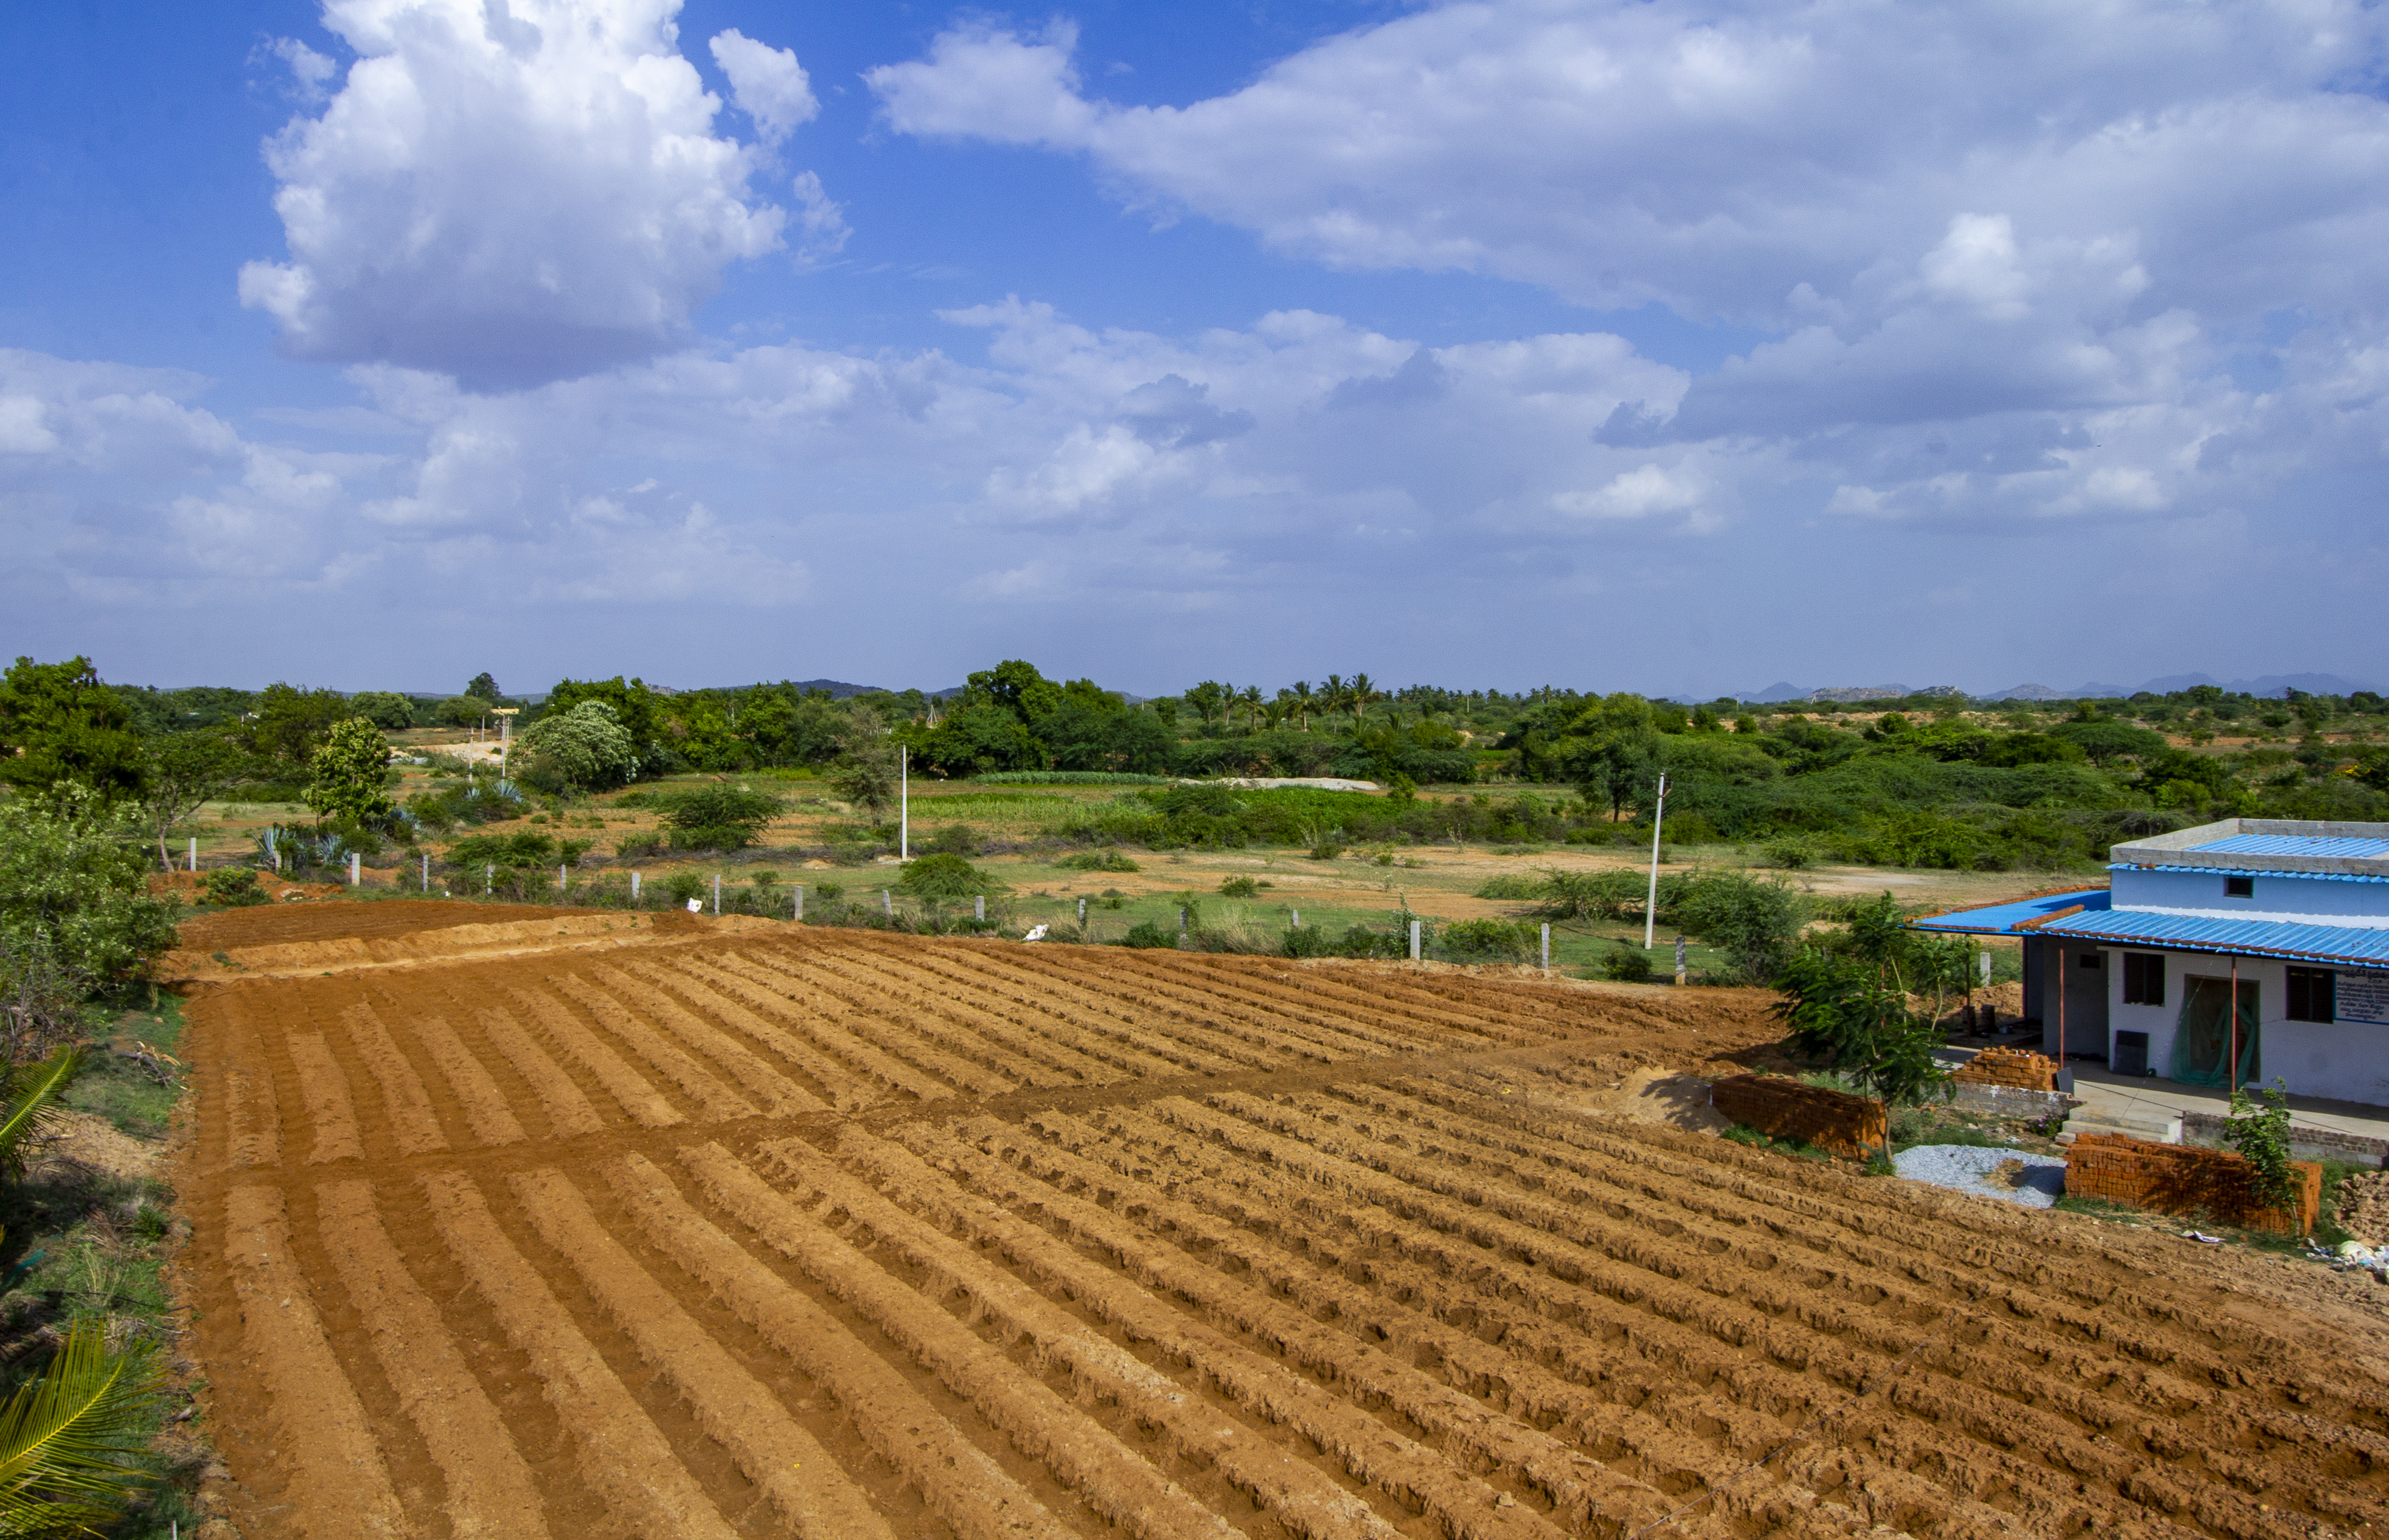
{"type": "Point", "coordinates": [2229, 954]}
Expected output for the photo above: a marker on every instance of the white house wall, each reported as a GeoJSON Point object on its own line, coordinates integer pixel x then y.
{"type": "Point", "coordinates": [2346, 1060]}
{"type": "Point", "coordinates": [2290, 899]}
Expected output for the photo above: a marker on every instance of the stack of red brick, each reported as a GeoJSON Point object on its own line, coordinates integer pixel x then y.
{"type": "Point", "coordinates": [2016, 1067]}
{"type": "Point", "coordinates": [2183, 1179]}
{"type": "Point", "coordinates": [1833, 1121]}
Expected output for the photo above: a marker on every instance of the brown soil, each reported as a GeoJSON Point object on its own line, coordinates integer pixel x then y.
{"type": "Point", "coordinates": [830, 1233]}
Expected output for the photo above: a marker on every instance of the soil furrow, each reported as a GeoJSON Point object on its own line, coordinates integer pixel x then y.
{"type": "Point", "coordinates": [568, 1110]}
{"type": "Point", "coordinates": [325, 1093]}
{"type": "Point", "coordinates": [794, 1473]}
{"type": "Point", "coordinates": [1371, 1449]}
{"type": "Point", "coordinates": [780, 1096]}
{"type": "Point", "coordinates": [1098, 1054]}
{"type": "Point", "coordinates": [1024, 1056]}
{"type": "Point", "coordinates": [1309, 1503]}
{"type": "Point", "coordinates": [332, 1461]}
{"type": "Point", "coordinates": [491, 1493]}
{"type": "Point", "coordinates": [862, 1013]}
{"type": "Point", "coordinates": [405, 1102]}
{"type": "Point", "coordinates": [1206, 1050]}
{"type": "Point", "coordinates": [621, 1454]}
{"type": "Point", "coordinates": [717, 1100]}
{"type": "Point", "coordinates": [1108, 1476]}
{"type": "Point", "coordinates": [760, 987]}
{"type": "Point", "coordinates": [639, 1101]}
{"type": "Point", "coordinates": [824, 1078]}
{"type": "Point", "coordinates": [486, 1111]}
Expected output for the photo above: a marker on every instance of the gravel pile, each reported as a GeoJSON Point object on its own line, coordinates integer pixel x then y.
{"type": "Point", "coordinates": [2009, 1176]}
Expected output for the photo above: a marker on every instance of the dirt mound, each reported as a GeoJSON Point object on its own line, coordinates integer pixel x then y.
{"type": "Point", "coordinates": [839, 1233]}
{"type": "Point", "coordinates": [263, 925]}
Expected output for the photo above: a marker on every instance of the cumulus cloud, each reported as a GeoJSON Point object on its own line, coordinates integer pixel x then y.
{"type": "Point", "coordinates": [768, 83]}
{"type": "Point", "coordinates": [514, 193]}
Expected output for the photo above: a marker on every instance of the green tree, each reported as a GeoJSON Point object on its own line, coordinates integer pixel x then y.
{"type": "Point", "coordinates": [786, 727]}
{"type": "Point", "coordinates": [2261, 1134]}
{"type": "Point", "coordinates": [347, 779]}
{"type": "Point", "coordinates": [384, 708]}
{"type": "Point", "coordinates": [75, 887]}
{"type": "Point", "coordinates": [869, 767]}
{"type": "Point", "coordinates": [485, 688]}
{"type": "Point", "coordinates": [1207, 699]}
{"type": "Point", "coordinates": [1014, 687]}
{"type": "Point", "coordinates": [947, 876]}
{"type": "Point", "coordinates": [584, 747]}
{"type": "Point", "coordinates": [1251, 699]}
{"type": "Point", "coordinates": [1303, 701]}
{"type": "Point", "coordinates": [184, 771]}
{"type": "Point", "coordinates": [59, 723]}
{"type": "Point", "coordinates": [287, 725]}
{"type": "Point", "coordinates": [719, 816]}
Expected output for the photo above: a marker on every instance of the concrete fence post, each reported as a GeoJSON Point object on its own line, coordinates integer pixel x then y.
{"type": "Point", "coordinates": [1181, 922]}
{"type": "Point", "coordinates": [716, 895]}
{"type": "Point", "coordinates": [1415, 940]}
{"type": "Point", "coordinates": [355, 878]}
{"type": "Point", "coordinates": [886, 904]}
{"type": "Point", "coordinates": [427, 871]}
{"type": "Point", "coordinates": [195, 853]}
{"type": "Point", "coordinates": [634, 890]}
{"type": "Point", "coordinates": [800, 903]}
{"type": "Point", "coordinates": [489, 881]}
{"type": "Point", "coordinates": [978, 908]}
{"type": "Point", "coordinates": [1083, 914]}
{"type": "Point", "coordinates": [561, 884]}
{"type": "Point", "coordinates": [1987, 969]}
{"type": "Point", "coordinates": [1680, 959]}
{"type": "Point", "coordinates": [1297, 919]}
{"type": "Point", "coordinates": [1547, 948]}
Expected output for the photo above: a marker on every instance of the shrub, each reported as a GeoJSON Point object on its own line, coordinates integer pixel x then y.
{"type": "Point", "coordinates": [636, 845]}
{"type": "Point", "coordinates": [1513, 885]}
{"type": "Point", "coordinates": [953, 839]}
{"type": "Point", "coordinates": [1098, 861]}
{"type": "Point", "coordinates": [718, 816]}
{"type": "Point", "coordinates": [1068, 777]}
{"type": "Point", "coordinates": [587, 746]}
{"type": "Point", "coordinates": [680, 887]}
{"type": "Point", "coordinates": [1626, 965]}
{"type": "Point", "coordinates": [2261, 1135]}
{"type": "Point", "coordinates": [1487, 941]}
{"type": "Point", "coordinates": [1145, 934]}
{"type": "Point", "coordinates": [1755, 924]}
{"type": "Point", "coordinates": [947, 876]}
{"type": "Point", "coordinates": [1239, 887]}
{"type": "Point", "coordinates": [1326, 850]}
{"type": "Point", "coordinates": [1792, 853]}
{"type": "Point", "coordinates": [523, 848]}
{"type": "Point", "coordinates": [346, 776]}
{"type": "Point", "coordinates": [231, 887]}
{"type": "Point", "coordinates": [73, 886]}
{"type": "Point", "coordinates": [1310, 943]}
{"type": "Point", "coordinates": [1839, 1010]}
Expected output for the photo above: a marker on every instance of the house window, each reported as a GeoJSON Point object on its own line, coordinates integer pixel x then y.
{"type": "Point", "coordinates": [2144, 978]}
{"type": "Point", "coordinates": [2091, 959]}
{"type": "Point", "coordinates": [2313, 994]}
{"type": "Point", "coordinates": [2238, 887]}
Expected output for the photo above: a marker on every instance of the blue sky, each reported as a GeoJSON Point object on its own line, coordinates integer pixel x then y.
{"type": "Point", "coordinates": [1621, 346]}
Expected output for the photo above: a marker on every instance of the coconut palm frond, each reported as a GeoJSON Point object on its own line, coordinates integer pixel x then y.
{"type": "Point", "coordinates": [73, 1441]}
{"type": "Point", "coordinates": [28, 1103]}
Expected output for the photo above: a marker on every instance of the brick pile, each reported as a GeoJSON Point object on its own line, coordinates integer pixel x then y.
{"type": "Point", "coordinates": [2183, 1179]}
{"type": "Point", "coordinates": [1833, 1121]}
{"type": "Point", "coordinates": [2018, 1067]}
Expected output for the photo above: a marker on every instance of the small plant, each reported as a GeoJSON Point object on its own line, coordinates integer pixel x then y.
{"type": "Point", "coordinates": [1512, 885]}
{"type": "Point", "coordinates": [633, 846]}
{"type": "Point", "coordinates": [1326, 850]}
{"type": "Point", "coordinates": [680, 887]}
{"type": "Point", "coordinates": [2261, 1135]}
{"type": "Point", "coordinates": [945, 875]}
{"type": "Point", "coordinates": [232, 888]}
{"type": "Point", "coordinates": [1790, 853]}
{"type": "Point", "coordinates": [1239, 887]}
{"type": "Point", "coordinates": [954, 840]}
{"type": "Point", "coordinates": [829, 893]}
{"type": "Point", "coordinates": [1145, 934]}
{"type": "Point", "coordinates": [1487, 941]}
{"type": "Point", "coordinates": [1626, 965]}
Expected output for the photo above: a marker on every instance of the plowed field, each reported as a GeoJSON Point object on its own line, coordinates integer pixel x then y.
{"type": "Point", "coordinates": [839, 1236]}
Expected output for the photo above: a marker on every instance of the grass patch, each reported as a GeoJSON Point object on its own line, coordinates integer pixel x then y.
{"type": "Point", "coordinates": [137, 1095]}
{"type": "Point", "coordinates": [1757, 1138]}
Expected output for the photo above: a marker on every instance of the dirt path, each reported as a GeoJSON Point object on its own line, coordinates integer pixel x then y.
{"type": "Point", "coordinates": [766, 1232]}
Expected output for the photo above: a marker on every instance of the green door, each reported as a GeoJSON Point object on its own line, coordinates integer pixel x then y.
{"type": "Point", "coordinates": [2203, 1038]}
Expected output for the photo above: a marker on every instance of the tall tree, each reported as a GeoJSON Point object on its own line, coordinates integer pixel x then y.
{"type": "Point", "coordinates": [1303, 701]}
{"type": "Point", "coordinates": [485, 688]}
{"type": "Point", "coordinates": [1251, 699]}
{"type": "Point", "coordinates": [1333, 693]}
{"type": "Point", "coordinates": [184, 770]}
{"type": "Point", "coordinates": [1362, 691]}
{"type": "Point", "coordinates": [347, 777]}
{"type": "Point", "coordinates": [59, 723]}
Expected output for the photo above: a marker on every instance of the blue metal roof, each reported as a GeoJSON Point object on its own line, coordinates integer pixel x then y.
{"type": "Point", "coordinates": [2001, 919]}
{"type": "Point", "coordinates": [2252, 871]}
{"type": "Point", "coordinates": [2296, 844]}
{"type": "Point", "coordinates": [2263, 938]}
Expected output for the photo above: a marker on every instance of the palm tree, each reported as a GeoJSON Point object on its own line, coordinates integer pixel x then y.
{"type": "Point", "coordinates": [1333, 694]}
{"type": "Point", "coordinates": [1364, 692]}
{"type": "Point", "coordinates": [1303, 701]}
{"type": "Point", "coordinates": [74, 1441]}
{"type": "Point", "coordinates": [1251, 699]}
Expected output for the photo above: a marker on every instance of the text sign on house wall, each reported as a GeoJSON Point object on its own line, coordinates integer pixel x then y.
{"type": "Point", "coordinates": [2364, 997]}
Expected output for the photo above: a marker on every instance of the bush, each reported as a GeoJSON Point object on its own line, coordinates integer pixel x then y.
{"type": "Point", "coordinates": [947, 876]}
{"type": "Point", "coordinates": [953, 839]}
{"type": "Point", "coordinates": [346, 776]}
{"type": "Point", "coordinates": [523, 848]}
{"type": "Point", "coordinates": [74, 886]}
{"type": "Point", "coordinates": [1145, 934]}
{"type": "Point", "coordinates": [2261, 1135]}
{"type": "Point", "coordinates": [587, 746]}
{"type": "Point", "coordinates": [680, 887]}
{"type": "Point", "coordinates": [1310, 943]}
{"type": "Point", "coordinates": [1239, 887]}
{"type": "Point", "coordinates": [1489, 941]}
{"type": "Point", "coordinates": [1513, 885]}
{"type": "Point", "coordinates": [718, 816]}
{"type": "Point", "coordinates": [1792, 851]}
{"type": "Point", "coordinates": [1626, 965]}
{"type": "Point", "coordinates": [1755, 924]}
{"type": "Point", "coordinates": [1839, 1010]}
{"type": "Point", "coordinates": [232, 888]}
{"type": "Point", "coordinates": [1098, 861]}
{"type": "Point", "coordinates": [636, 845]}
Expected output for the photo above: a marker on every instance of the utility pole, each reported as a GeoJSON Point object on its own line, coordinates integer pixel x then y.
{"type": "Point", "coordinates": [505, 716]}
{"type": "Point", "coordinates": [1651, 902]}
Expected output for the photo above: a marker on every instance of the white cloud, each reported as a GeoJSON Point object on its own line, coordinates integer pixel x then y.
{"type": "Point", "coordinates": [309, 70]}
{"type": "Point", "coordinates": [768, 83]}
{"type": "Point", "coordinates": [822, 222]}
{"type": "Point", "coordinates": [509, 193]}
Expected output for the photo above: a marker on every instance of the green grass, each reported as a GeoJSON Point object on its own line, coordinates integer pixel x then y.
{"type": "Point", "coordinates": [123, 1090]}
{"type": "Point", "coordinates": [1743, 1134]}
